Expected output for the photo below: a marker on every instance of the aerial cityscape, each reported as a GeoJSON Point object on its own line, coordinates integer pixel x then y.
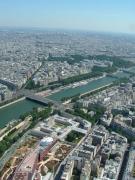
{"type": "Point", "coordinates": [67, 90]}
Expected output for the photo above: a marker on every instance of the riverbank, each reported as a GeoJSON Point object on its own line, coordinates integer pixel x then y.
{"type": "Point", "coordinates": [90, 86]}
{"type": "Point", "coordinates": [96, 89]}
{"type": "Point", "coordinates": [50, 92]}
{"type": "Point", "coordinates": [6, 105]}
{"type": "Point", "coordinates": [14, 110]}
{"type": "Point", "coordinates": [69, 99]}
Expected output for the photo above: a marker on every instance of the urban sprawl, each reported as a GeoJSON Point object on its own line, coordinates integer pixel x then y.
{"type": "Point", "coordinates": [89, 136]}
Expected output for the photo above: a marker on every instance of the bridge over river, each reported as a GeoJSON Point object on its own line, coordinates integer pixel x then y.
{"type": "Point", "coordinates": [43, 100]}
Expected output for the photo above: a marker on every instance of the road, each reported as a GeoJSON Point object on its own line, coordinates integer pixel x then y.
{"type": "Point", "coordinates": [61, 166]}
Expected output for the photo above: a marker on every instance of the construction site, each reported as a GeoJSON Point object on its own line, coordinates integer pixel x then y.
{"type": "Point", "coordinates": [27, 152]}
{"type": "Point", "coordinates": [20, 153]}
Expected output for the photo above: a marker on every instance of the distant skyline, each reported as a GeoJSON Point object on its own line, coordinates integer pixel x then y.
{"type": "Point", "coordinates": [91, 15]}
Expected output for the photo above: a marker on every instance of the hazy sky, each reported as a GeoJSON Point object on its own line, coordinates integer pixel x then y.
{"type": "Point", "coordinates": [99, 15]}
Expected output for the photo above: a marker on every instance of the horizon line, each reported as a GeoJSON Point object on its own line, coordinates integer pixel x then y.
{"type": "Point", "coordinates": [65, 29]}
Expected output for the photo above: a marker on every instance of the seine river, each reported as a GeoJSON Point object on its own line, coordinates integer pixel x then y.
{"type": "Point", "coordinates": [81, 89]}
{"type": "Point", "coordinates": [13, 111]}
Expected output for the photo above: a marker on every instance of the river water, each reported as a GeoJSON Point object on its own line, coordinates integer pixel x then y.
{"type": "Point", "coordinates": [81, 89]}
{"type": "Point", "coordinates": [13, 111]}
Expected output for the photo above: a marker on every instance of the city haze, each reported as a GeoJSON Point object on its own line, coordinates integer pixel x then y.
{"type": "Point", "coordinates": [93, 15]}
